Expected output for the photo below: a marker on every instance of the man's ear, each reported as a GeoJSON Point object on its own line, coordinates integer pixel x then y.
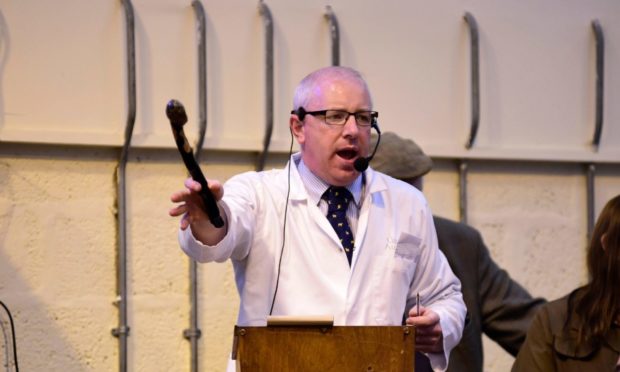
{"type": "Point", "coordinates": [296, 127]}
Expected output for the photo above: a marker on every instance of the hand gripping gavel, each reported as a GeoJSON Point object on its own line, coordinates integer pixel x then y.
{"type": "Point", "coordinates": [176, 113]}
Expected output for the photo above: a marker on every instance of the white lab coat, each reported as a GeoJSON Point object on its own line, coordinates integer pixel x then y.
{"type": "Point", "coordinates": [396, 256]}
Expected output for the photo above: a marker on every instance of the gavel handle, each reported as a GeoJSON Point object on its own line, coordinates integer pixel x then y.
{"type": "Point", "coordinates": [210, 206]}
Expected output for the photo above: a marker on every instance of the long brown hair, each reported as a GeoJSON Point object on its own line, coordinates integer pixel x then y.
{"type": "Point", "coordinates": [599, 307]}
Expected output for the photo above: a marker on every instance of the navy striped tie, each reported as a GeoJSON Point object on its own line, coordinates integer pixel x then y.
{"type": "Point", "coordinates": [337, 204]}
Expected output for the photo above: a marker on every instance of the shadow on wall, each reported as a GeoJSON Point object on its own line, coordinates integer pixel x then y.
{"type": "Point", "coordinates": [41, 343]}
{"type": "Point", "coordinates": [60, 301]}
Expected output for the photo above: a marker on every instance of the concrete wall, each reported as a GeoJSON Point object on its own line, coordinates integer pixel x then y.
{"type": "Point", "coordinates": [57, 249]}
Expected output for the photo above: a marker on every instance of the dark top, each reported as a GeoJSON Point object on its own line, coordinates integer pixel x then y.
{"type": "Point", "coordinates": [496, 305]}
{"type": "Point", "coordinates": [552, 346]}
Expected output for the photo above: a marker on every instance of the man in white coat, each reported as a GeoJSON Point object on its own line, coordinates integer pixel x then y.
{"type": "Point", "coordinates": [365, 269]}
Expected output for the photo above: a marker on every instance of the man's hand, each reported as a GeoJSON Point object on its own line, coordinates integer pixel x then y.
{"type": "Point", "coordinates": [191, 208]}
{"type": "Point", "coordinates": [428, 335]}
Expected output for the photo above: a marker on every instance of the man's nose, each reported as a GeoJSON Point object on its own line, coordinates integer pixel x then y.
{"type": "Point", "coordinates": [350, 126]}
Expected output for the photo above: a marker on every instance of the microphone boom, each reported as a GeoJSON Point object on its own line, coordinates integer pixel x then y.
{"type": "Point", "coordinates": [361, 164]}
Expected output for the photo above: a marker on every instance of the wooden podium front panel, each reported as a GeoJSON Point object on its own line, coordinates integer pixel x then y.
{"type": "Point", "coordinates": [364, 348]}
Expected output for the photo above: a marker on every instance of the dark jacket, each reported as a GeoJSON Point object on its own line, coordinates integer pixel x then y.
{"type": "Point", "coordinates": [496, 305]}
{"type": "Point", "coordinates": [550, 346]}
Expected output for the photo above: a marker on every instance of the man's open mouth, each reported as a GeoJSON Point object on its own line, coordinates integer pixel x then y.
{"type": "Point", "coordinates": [347, 154]}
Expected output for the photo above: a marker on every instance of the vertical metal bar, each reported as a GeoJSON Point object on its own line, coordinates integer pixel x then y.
{"type": "Point", "coordinates": [463, 168]}
{"type": "Point", "coordinates": [268, 21]}
{"type": "Point", "coordinates": [202, 76]}
{"type": "Point", "coordinates": [193, 333]}
{"type": "Point", "coordinates": [590, 173]}
{"type": "Point", "coordinates": [475, 79]}
{"type": "Point", "coordinates": [475, 111]}
{"type": "Point", "coordinates": [600, 75]}
{"type": "Point", "coordinates": [122, 332]}
{"type": "Point", "coordinates": [334, 33]}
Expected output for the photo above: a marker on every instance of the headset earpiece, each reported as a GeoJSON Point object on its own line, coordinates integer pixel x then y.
{"type": "Point", "coordinates": [300, 112]}
{"type": "Point", "coordinates": [374, 123]}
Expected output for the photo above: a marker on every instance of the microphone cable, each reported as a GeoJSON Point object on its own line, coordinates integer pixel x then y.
{"type": "Point", "coordinates": [12, 336]}
{"type": "Point", "coordinates": [288, 192]}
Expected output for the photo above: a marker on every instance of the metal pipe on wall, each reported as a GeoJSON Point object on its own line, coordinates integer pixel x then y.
{"type": "Point", "coordinates": [334, 33]}
{"type": "Point", "coordinates": [193, 333]}
{"type": "Point", "coordinates": [475, 78]}
{"type": "Point", "coordinates": [590, 173]}
{"type": "Point", "coordinates": [600, 79]}
{"type": "Point", "coordinates": [598, 123]}
{"type": "Point", "coordinates": [463, 167]}
{"type": "Point", "coordinates": [202, 75]}
{"type": "Point", "coordinates": [268, 22]}
{"type": "Point", "coordinates": [475, 111]}
{"type": "Point", "coordinates": [122, 332]}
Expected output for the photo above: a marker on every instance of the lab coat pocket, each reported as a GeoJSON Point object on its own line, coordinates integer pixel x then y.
{"type": "Point", "coordinates": [406, 253]}
{"type": "Point", "coordinates": [394, 269]}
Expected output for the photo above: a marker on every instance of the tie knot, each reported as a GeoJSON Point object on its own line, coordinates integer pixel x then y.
{"type": "Point", "coordinates": [337, 198]}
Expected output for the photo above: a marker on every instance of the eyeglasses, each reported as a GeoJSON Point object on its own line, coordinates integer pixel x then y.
{"type": "Point", "coordinates": [340, 117]}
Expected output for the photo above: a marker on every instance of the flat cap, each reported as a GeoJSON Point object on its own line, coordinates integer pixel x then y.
{"type": "Point", "coordinates": [398, 157]}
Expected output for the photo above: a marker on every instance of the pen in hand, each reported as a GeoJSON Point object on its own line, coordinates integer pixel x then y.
{"type": "Point", "coordinates": [417, 303]}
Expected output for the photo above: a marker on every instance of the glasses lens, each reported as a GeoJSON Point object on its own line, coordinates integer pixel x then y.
{"type": "Point", "coordinates": [340, 117]}
{"type": "Point", "coordinates": [336, 117]}
{"type": "Point", "coordinates": [363, 118]}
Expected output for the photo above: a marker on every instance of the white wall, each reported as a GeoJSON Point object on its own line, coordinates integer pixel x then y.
{"type": "Point", "coordinates": [62, 81]}
{"type": "Point", "coordinates": [537, 71]}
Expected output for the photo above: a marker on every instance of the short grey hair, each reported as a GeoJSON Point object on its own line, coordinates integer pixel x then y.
{"type": "Point", "coordinates": [306, 87]}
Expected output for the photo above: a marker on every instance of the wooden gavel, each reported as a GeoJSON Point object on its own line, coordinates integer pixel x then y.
{"type": "Point", "coordinates": [176, 113]}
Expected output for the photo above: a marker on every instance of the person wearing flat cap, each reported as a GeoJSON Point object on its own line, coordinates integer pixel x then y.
{"type": "Point", "coordinates": [496, 304]}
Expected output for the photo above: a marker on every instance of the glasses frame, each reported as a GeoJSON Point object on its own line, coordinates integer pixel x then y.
{"type": "Point", "coordinates": [301, 113]}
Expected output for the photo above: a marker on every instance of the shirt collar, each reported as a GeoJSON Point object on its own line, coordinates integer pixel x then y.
{"type": "Point", "coordinates": [316, 187]}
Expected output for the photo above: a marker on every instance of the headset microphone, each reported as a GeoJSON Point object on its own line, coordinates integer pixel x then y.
{"type": "Point", "coordinates": [361, 164]}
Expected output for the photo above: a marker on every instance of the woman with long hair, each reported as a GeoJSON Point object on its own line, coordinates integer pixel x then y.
{"type": "Point", "coordinates": [581, 332]}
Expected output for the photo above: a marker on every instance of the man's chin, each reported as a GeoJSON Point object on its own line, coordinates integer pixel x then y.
{"type": "Point", "coordinates": [344, 176]}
